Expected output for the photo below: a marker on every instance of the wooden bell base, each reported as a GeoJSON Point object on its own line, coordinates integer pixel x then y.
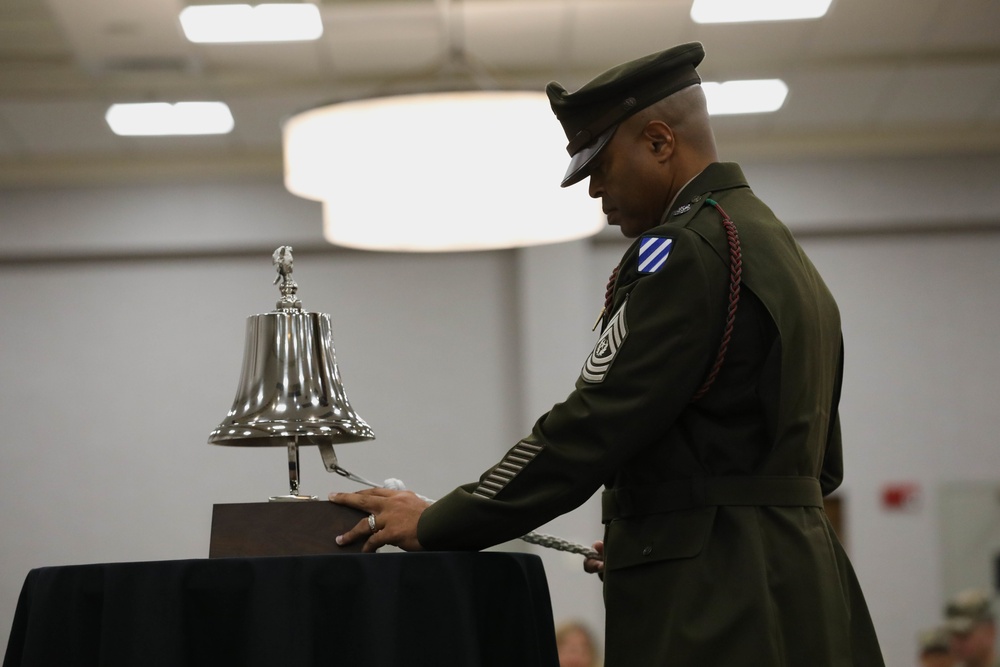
{"type": "Point", "coordinates": [307, 528]}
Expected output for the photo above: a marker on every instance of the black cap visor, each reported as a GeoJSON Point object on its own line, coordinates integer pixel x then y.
{"type": "Point", "coordinates": [579, 163]}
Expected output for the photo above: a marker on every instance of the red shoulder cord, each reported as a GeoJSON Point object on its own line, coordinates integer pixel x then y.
{"type": "Point", "coordinates": [735, 281]}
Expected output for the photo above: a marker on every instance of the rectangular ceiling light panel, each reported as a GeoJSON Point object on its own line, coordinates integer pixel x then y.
{"type": "Point", "coordinates": [150, 119]}
{"type": "Point", "coordinates": [742, 11]}
{"type": "Point", "coordinates": [217, 24]}
{"type": "Point", "coordinates": [750, 96]}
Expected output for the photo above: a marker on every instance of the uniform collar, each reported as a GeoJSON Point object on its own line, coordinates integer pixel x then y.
{"type": "Point", "coordinates": [670, 206]}
{"type": "Point", "coordinates": [713, 178]}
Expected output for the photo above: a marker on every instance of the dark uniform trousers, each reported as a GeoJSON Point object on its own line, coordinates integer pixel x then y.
{"type": "Point", "coordinates": [717, 547]}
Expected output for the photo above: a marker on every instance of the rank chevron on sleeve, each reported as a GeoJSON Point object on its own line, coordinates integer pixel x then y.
{"type": "Point", "coordinates": [599, 361]}
{"type": "Point", "coordinates": [653, 253]}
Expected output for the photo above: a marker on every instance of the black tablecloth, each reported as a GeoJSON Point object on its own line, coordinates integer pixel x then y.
{"type": "Point", "coordinates": [435, 609]}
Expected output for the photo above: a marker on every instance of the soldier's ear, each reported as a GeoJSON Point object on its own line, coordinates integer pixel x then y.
{"type": "Point", "coordinates": [660, 138]}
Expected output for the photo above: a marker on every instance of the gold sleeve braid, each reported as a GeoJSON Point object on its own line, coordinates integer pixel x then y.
{"type": "Point", "coordinates": [519, 456]}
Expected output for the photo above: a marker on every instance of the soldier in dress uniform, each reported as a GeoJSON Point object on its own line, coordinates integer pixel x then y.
{"type": "Point", "coordinates": [707, 409]}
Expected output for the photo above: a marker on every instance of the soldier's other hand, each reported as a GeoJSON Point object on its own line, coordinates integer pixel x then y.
{"type": "Point", "coordinates": [596, 565]}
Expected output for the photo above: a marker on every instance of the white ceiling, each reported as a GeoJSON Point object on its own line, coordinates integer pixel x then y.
{"type": "Point", "coordinates": [872, 78]}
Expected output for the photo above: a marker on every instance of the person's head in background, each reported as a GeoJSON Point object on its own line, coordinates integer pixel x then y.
{"type": "Point", "coordinates": [935, 648]}
{"type": "Point", "coordinates": [969, 619]}
{"type": "Point", "coordinates": [577, 645]}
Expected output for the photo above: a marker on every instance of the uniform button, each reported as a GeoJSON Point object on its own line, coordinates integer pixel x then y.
{"type": "Point", "coordinates": [696, 199]}
{"type": "Point", "coordinates": [647, 551]}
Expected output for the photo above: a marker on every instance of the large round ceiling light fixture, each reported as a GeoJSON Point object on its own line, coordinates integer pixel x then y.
{"type": "Point", "coordinates": [429, 172]}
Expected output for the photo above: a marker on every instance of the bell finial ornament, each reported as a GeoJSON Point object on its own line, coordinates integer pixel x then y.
{"type": "Point", "coordinates": [282, 259]}
{"type": "Point", "coordinates": [290, 392]}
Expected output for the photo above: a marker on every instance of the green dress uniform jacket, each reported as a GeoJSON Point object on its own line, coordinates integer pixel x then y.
{"type": "Point", "coordinates": [717, 547]}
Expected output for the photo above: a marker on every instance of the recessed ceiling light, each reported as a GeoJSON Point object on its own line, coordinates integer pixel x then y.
{"type": "Point", "coordinates": [163, 119]}
{"type": "Point", "coordinates": [243, 23]}
{"type": "Point", "coordinates": [740, 11]}
{"type": "Point", "coordinates": [750, 96]}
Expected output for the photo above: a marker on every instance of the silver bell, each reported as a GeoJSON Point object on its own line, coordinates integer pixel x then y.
{"type": "Point", "coordinates": [290, 392]}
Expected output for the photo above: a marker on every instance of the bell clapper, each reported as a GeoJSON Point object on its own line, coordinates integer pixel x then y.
{"type": "Point", "coordinates": [293, 475]}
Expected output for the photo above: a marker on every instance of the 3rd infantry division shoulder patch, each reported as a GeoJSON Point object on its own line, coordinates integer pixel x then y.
{"type": "Point", "coordinates": [653, 253]}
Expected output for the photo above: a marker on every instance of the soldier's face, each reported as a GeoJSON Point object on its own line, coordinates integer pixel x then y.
{"type": "Point", "coordinates": [627, 178]}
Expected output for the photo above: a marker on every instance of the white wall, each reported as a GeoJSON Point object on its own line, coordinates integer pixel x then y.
{"type": "Point", "coordinates": [920, 398]}
{"type": "Point", "coordinates": [121, 341]}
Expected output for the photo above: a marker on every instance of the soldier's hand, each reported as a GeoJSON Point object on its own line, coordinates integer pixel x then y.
{"type": "Point", "coordinates": [392, 519]}
{"type": "Point", "coordinates": [596, 565]}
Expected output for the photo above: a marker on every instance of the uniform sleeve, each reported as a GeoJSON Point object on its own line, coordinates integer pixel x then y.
{"type": "Point", "coordinates": [650, 359]}
{"type": "Point", "coordinates": [833, 458]}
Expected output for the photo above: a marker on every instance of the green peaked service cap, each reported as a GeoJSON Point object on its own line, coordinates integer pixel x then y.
{"type": "Point", "coordinates": [591, 114]}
